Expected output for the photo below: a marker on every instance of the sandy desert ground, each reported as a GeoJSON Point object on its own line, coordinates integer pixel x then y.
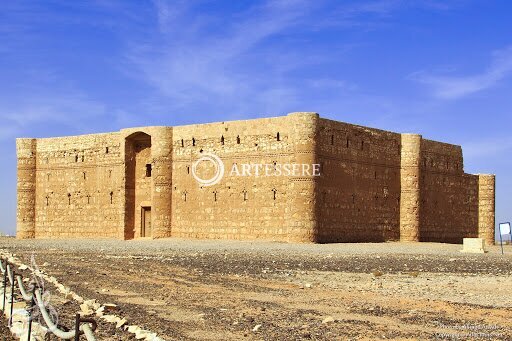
{"type": "Point", "coordinates": [230, 290]}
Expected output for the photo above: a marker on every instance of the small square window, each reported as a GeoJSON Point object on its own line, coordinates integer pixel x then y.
{"type": "Point", "coordinates": [148, 170]}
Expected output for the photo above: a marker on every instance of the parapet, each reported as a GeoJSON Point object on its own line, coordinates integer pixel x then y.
{"type": "Point", "coordinates": [26, 147]}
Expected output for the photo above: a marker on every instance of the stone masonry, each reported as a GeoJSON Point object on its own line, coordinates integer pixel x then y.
{"type": "Point", "coordinates": [374, 185]}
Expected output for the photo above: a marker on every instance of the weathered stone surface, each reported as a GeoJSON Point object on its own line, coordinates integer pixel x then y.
{"type": "Point", "coordinates": [374, 185]}
{"type": "Point", "coordinates": [410, 188]}
{"type": "Point", "coordinates": [486, 198]}
{"type": "Point", "coordinates": [473, 245]}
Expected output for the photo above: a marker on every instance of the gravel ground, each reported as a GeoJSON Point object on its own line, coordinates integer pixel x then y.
{"type": "Point", "coordinates": [175, 244]}
{"type": "Point", "coordinates": [5, 334]}
{"type": "Point", "coordinates": [211, 290]}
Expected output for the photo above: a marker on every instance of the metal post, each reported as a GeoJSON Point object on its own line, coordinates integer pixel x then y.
{"type": "Point", "coordinates": [31, 311]}
{"type": "Point", "coordinates": [78, 321]}
{"type": "Point", "coordinates": [77, 327]}
{"type": "Point", "coordinates": [12, 297]}
{"type": "Point", "coordinates": [4, 285]}
{"type": "Point", "coordinates": [501, 238]}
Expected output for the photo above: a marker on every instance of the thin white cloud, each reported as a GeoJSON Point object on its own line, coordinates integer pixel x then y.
{"type": "Point", "coordinates": [198, 59]}
{"type": "Point", "coordinates": [49, 104]}
{"type": "Point", "coordinates": [333, 84]}
{"type": "Point", "coordinates": [452, 87]}
{"type": "Point", "coordinates": [167, 14]}
{"type": "Point", "coordinates": [374, 14]}
{"type": "Point", "coordinates": [243, 59]}
{"type": "Point", "coordinates": [488, 148]}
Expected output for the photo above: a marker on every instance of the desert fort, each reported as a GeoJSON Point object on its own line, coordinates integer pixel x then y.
{"type": "Point", "coordinates": [374, 185]}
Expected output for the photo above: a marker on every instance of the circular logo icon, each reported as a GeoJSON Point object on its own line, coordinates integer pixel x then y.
{"type": "Point", "coordinates": [219, 169]}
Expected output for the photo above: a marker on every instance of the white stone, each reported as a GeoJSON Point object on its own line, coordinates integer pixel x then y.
{"type": "Point", "coordinates": [473, 245]}
{"type": "Point", "coordinates": [328, 319]}
{"type": "Point", "coordinates": [121, 323]}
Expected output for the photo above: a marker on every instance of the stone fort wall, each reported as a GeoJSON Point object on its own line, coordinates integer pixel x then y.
{"type": "Point", "coordinates": [75, 186]}
{"type": "Point", "coordinates": [359, 192]}
{"type": "Point", "coordinates": [374, 185]}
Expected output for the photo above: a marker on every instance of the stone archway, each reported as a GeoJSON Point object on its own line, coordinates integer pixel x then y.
{"type": "Point", "coordinates": [138, 168]}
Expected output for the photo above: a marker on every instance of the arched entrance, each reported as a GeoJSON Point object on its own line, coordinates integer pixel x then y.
{"type": "Point", "coordinates": [138, 168]}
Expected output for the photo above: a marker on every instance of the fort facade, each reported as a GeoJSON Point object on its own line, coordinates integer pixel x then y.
{"type": "Point", "coordinates": [373, 185]}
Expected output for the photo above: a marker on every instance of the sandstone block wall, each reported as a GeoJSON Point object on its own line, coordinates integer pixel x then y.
{"type": "Point", "coordinates": [449, 198]}
{"type": "Point", "coordinates": [374, 185]}
{"type": "Point", "coordinates": [147, 155]}
{"type": "Point", "coordinates": [78, 186]}
{"type": "Point", "coordinates": [26, 188]}
{"type": "Point", "coordinates": [486, 202]}
{"type": "Point", "coordinates": [238, 207]}
{"type": "Point", "coordinates": [359, 190]}
{"type": "Point", "coordinates": [410, 188]}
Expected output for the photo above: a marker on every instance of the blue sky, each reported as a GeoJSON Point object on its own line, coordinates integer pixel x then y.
{"type": "Point", "coordinates": [439, 68]}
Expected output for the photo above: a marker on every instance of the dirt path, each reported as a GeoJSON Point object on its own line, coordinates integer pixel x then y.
{"type": "Point", "coordinates": [198, 293]}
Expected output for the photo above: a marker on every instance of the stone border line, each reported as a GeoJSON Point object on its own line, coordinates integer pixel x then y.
{"type": "Point", "coordinates": [23, 316]}
{"type": "Point", "coordinates": [87, 307]}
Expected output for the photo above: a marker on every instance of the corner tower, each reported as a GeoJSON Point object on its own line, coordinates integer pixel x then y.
{"type": "Point", "coordinates": [26, 203]}
{"type": "Point", "coordinates": [302, 215]}
{"type": "Point", "coordinates": [486, 197]}
{"type": "Point", "coordinates": [410, 176]}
